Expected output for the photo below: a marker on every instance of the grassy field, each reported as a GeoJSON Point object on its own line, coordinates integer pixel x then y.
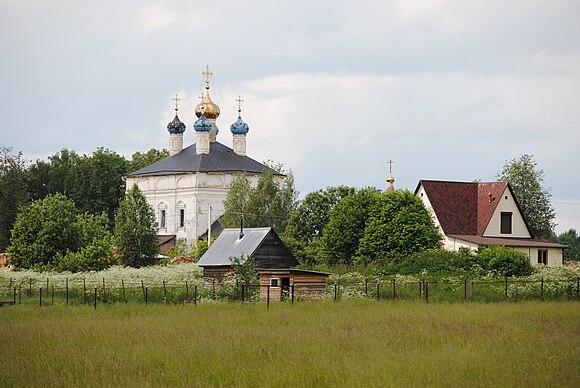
{"type": "Point", "coordinates": [351, 343]}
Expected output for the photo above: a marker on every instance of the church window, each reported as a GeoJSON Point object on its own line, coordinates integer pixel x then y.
{"type": "Point", "coordinates": [181, 218]}
{"type": "Point", "coordinates": [543, 256]}
{"type": "Point", "coordinates": [274, 282]}
{"type": "Point", "coordinates": [506, 223]}
{"type": "Point", "coordinates": [162, 220]}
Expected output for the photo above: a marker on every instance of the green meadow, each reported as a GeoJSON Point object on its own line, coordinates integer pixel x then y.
{"type": "Point", "coordinates": [349, 343]}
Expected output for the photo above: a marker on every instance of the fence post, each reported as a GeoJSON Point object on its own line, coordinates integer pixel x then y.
{"type": "Point", "coordinates": [378, 291]}
{"type": "Point", "coordinates": [366, 286]}
{"type": "Point", "coordinates": [292, 293]}
{"type": "Point", "coordinates": [164, 292]}
{"type": "Point", "coordinates": [472, 291]}
{"type": "Point", "coordinates": [47, 287]}
{"type": "Point", "coordinates": [186, 292]}
{"type": "Point", "coordinates": [195, 295]}
{"type": "Point", "coordinates": [104, 291]}
{"type": "Point", "coordinates": [394, 291]}
{"type": "Point", "coordinates": [14, 295]}
{"type": "Point", "coordinates": [143, 289]}
{"type": "Point", "coordinates": [52, 295]}
{"type": "Point", "coordinates": [40, 295]}
{"type": "Point", "coordinates": [243, 288]}
{"type": "Point", "coordinates": [95, 299]}
{"type": "Point", "coordinates": [542, 288]}
{"type": "Point", "coordinates": [465, 290]}
{"type": "Point", "coordinates": [506, 287]}
{"type": "Point", "coordinates": [335, 289]}
{"type": "Point", "coordinates": [146, 296]}
{"type": "Point", "coordinates": [420, 290]}
{"type": "Point", "coordinates": [268, 297]}
{"type": "Point", "coordinates": [20, 293]}
{"type": "Point", "coordinates": [426, 292]}
{"type": "Point", "coordinates": [84, 291]}
{"type": "Point", "coordinates": [29, 287]}
{"type": "Point", "coordinates": [517, 284]}
{"type": "Point", "coordinates": [123, 287]}
{"type": "Point", "coordinates": [67, 291]}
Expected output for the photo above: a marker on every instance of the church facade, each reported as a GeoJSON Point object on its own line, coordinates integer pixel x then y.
{"type": "Point", "coordinates": [187, 189]}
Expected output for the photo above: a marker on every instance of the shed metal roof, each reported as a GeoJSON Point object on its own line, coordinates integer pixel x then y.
{"type": "Point", "coordinates": [229, 245]}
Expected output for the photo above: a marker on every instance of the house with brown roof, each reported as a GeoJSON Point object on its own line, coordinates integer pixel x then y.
{"type": "Point", "coordinates": [470, 214]}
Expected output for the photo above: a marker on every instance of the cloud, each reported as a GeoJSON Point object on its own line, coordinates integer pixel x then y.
{"type": "Point", "coordinates": [157, 16]}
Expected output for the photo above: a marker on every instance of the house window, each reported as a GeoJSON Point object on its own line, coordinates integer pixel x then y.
{"type": "Point", "coordinates": [274, 282]}
{"type": "Point", "coordinates": [506, 223]}
{"type": "Point", "coordinates": [543, 256]}
{"type": "Point", "coordinates": [181, 218]}
{"type": "Point", "coordinates": [162, 219]}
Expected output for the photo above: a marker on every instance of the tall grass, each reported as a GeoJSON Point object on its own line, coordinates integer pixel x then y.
{"type": "Point", "coordinates": [352, 343]}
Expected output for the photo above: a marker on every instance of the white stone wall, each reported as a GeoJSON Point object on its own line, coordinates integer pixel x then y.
{"type": "Point", "coordinates": [507, 204]}
{"type": "Point", "coordinates": [194, 193]}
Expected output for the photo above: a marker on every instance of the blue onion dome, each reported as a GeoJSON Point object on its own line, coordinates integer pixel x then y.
{"type": "Point", "coordinates": [239, 127]}
{"type": "Point", "coordinates": [202, 124]}
{"type": "Point", "coordinates": [176, 126]}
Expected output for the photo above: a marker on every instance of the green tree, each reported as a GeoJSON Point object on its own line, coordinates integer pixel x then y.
{"type": "Point", "coordinates": [55, 176]}
{"type": "Point", "coordinates": [398, 225]}
{"type": "Point", "coordinates": [13, 192]}
{"type": "Point", "coordinates": [269, 204]}
{"type": "Point", "coordinates": [245, 270]}
{"type": "Point", "coordinates": [136, 230]}
{"type": "Point", "coordinates": [144, 159]}
{"type": "Point", "coordinates": [236, 202]}
{"type": "Point", "coordinates": [92, 227]}
{"type": "Point", "coordinates": [313, 213]}
{"type": "Point", "coordinates": [98, 184]}
{"type": "Point", "coordinates": [571, 239]}
{"type": "Point", "coordinates": [527, 183]}
{"type": "Point", "coordinates": [341, 236]}
{"type": "Point", "coordinates": [43, 230]}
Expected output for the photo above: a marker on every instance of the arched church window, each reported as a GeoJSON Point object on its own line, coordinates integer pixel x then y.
{"type": "Point", "coordinates": [162, 215]}
{"type": "Point", "coordinates": [181, 214]}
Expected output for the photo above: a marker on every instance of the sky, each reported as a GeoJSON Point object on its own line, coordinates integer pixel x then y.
{"type": "Point", "coordinates": [448, 90]}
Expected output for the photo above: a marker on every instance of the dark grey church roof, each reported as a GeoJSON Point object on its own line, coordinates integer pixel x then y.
{"type": "Point", "coordinates": [229, 245]}
{"type": "Point", "coordinates": [220, 159]}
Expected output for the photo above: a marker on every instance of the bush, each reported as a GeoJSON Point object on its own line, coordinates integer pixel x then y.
{"type": "Point", "coordinates": [438, 262]}
{"type": "Point", "coordinates": [505, 261]}
{"type": "Point", "coordinates": [94, 257]}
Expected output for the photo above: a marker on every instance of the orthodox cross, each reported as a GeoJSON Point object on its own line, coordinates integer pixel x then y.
{"type": "Point", "coordinates": [390, 166]}
{"type": "Point", "coordinates": [176, 99]}
{"type": "Point", "coordinates": [239, 101]}
{"type": "Point", "coordinates": [207, 74]}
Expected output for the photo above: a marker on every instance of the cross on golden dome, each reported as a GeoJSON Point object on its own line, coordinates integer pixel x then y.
{"type": "Point", "coordinates": [390, 166]}
{"type": "Point", "coordinates": [207, 74]}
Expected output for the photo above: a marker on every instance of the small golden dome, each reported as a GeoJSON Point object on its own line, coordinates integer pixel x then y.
{"type": "Point", "coordinates": [207, 107]}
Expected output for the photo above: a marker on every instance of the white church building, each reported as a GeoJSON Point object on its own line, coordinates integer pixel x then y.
{"type": "Point", "coordinates": [187, 189]}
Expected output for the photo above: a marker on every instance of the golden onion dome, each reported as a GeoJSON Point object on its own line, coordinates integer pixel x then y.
{"type": "Point", "coordinates": [207, 107]}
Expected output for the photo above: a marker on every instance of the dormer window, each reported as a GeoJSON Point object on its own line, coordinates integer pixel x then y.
{"type": "Point", "coordinates": [506, 223]}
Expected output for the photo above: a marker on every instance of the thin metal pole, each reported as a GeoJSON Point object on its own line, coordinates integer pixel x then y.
{"type": "Point", "coordinates": [165, 292]}
{"type": "Point", "coordinates": [366, 286]}
{"type": "Point", "coordinates": [268, 298]}
{"type": "Point", "coordinates": [472, 291]}
{"type": "Point", "coordinates": [146, 296]}
{"type": "Point", "coordinates": [542, 288]}
{"type": "Point", "coordinates": [95, 299]}
{"type": "Point", "coordinates": [426, 292]}
{"type": "Point", "coordinates": [40, 295]}
{"type": "Point", "coordinates": [14, 295]}
{"type": "Point", "coordinates": [123, 287]}
{"type": "Point", "coordinates": [186, 292]}
{"type": "Point", "coordinates": [517, 284]}
{"type": "Point", "coordinates": [195, 295]}
{"type": "Point", "coordinates": [292, 293]}
{"type": "Point", "coordinates": [394, 290]}
{"type": "Point", "coordinates": [66, 290]}
{"type": "Point", "coordinates": [378, 291]}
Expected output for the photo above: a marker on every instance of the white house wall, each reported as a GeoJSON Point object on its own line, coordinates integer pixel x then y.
{"type": "Point", "coordinates": [507, 204]}
{"type": "Point", "coordinates": [423, 196]}
{"type": "Point", "coordinates": [555, 258]}
{"type": "Point", "coordinates": [193, 192]}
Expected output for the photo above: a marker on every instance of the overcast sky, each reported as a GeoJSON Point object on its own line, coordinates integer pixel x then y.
{"type": "Point", "coordinates": [448, 90]}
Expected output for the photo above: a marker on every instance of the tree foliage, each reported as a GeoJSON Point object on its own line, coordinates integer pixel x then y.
{"type": "Point", "coordinates": [572, 239]}
{"type": "Point", "coordinates": [44, 229]}
{"type": "Point", "coordinates": [143, 159]}
{"type": "Point", "coordinates": [527, 183]}
{"type": "Point", "coordinates": [13, 192]}
{"type": "Point", "coordinates": [136, 230]}
{"type": "Point", "coordinates": [398, 226]}
{"type": "Point", "coordinates": [313, 213]}
{"type": "Point", "coordinates": [346, 226]}
{"type": "Point", "coordinates": [98, 182]}
{"type": "Point", "coordinates": [270, 203]}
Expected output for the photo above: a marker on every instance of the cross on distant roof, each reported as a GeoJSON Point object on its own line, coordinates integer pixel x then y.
{"type": "Point", "coordinates": [176, 99]}
{"type": "Point", "coordinates": [207, 74]}
{"type": "Point", "coordinates": [239, 101]}
{"type": "Point", "coordinates": [390, 166]}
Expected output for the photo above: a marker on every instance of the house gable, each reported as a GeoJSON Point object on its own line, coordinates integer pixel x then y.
{"type": "Point", "coordinates": [507, 205]}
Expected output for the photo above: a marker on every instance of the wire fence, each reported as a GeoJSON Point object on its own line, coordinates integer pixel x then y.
{"type": "Point", "coordinates": [82, 292]}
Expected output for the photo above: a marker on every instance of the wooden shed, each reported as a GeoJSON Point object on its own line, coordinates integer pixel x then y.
{"type": "Point", "coordinates": [272, 259]}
